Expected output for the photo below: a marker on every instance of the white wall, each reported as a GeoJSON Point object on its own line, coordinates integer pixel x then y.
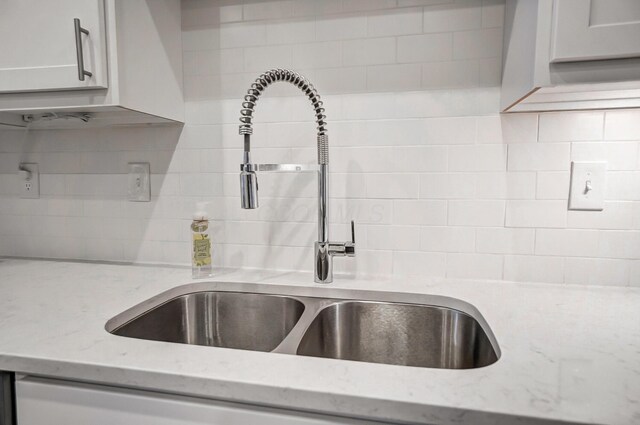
{"type": "Point", "coordinates": [439, 184]}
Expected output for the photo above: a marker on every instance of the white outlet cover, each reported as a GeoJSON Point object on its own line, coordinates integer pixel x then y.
{"type": "Point", "coordinates": [138, 182]}
{"type": "Point", "coordinates": [29, 187]}
{"type": "Point", "coordinates": [588, 181]}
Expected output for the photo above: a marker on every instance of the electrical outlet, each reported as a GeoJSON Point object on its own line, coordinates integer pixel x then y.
{"type": "Point", "coordinates": [138, 183]}
{"type": "Point", "coordinates": [29, 178]}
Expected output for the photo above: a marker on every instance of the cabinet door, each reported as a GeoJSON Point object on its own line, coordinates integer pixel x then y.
{"type": "Point", "coordinates": [586, 30]}
{"type": "Point", "coordinates": [39, 51]}
{"type": "Point", "coordinates": [52, 402]}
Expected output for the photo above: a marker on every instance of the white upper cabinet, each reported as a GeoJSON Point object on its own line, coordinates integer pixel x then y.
{"type": "Point", "coordinates": [571, 54]}
{"type": "Point", "coordinates": [595, 30]}
{"type": "Point", "coordinates": [85, 63]}
{"type": "Point", "coordinates": [41, 47]}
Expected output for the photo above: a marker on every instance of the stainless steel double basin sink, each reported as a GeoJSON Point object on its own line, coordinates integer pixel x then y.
{"type": "Point", "coordinates": [377, 327]}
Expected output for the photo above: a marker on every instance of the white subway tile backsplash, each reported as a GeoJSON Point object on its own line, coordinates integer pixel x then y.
{"type": "Point", "coordinates": [201, 14]}
{"type": "Point", "coordinates": [369, 107]}
{"type": "Point", "coordinates": [527, 268]}
{"type": "Point", "coordinates": [341, 27]}
{"type": "Point", "coordinates": [395, 22]}
{"type": "Point", "coordinates": [394, 77]}
{"type": "Point", "coordinates": [447, 186]}
{"type": "Point", "coordinates": [403, 238]}
{"type": "Point", "coordinates": [230, 13]}
{"type": "Point", "coordinates": [456, 17]}
{"type": "Point", "coordinates": [484, 43]}
{"type": "Point", "coordinates": [623, 186]}
{"type": "Point", "coordinates": [392, 186]}
{"type": "Point", "coordinates": [490, 72]}
{"type": "Point", "coordinates": [365, 211]}
{"type": "Point", "coordinates": [505, 185]}
{"type": "Point", "coordinates": [619, 244]}
{"type": "Point", "coordinates": [425, 48]}
{"type": "Point", "coordinates": [200, 62]}
{"type": "Point", "coordinates": [374, 51]}
{"type": "Point", "coordinates": [50, 184]}
{"type": "Point", "coordinates": [439, 183]}
{"type": "Point", "coordinates": [347, 185]}
{"type": "Point", "coordinates": [447, 239]}
{"type": "Point", "coordinates": [492, 13]}
{"type": "Point", "coordinates": [285, 32]}
{"type": "Point", "coordinates": [438, 75]}
{"type": "Point", "coordinates": [405, 3]}
{"type": "Point", "coordinates": [596, 271]}
{"type": "Point", "coordinates": [536, 214]}
{"type": "Point", "coordinates": [476, 213]}
{"type": "Point", "coordinates": [361, 160]}
{"type": "Point", "coordinates": [267, 10]}
{"type": "Point", "coordinates": [478, 158]}
{"type": "Point", "coordinates": [428, 213]}
{"type": "Point", "coordinates": [259, 59]}
{"type": "Point", "coordinates": [508, 128]}
{"type": "Point", "coordinates": [622, 125]}
{"type": "Point", "coordinates": [614, 216]}
{"type": "Point", "coordinates": [341, 80]}
{"type": "Point", "coordinates": [365, 5]}
{"type": "Point", "coordinates": [476, 266]}
{"type": "Point", "coordinates": [619, 156]}
{"type": "Point", "coordinates": [326, 54]}
{"type": "Point", "coordinates": [634, 273]}
{"type": "Point", "coordinates": [505, 241]}
{"type": "Point", "coordinates": [201, 184]}
{"type": "Point", "coordinates": [406, 263]}
{"type": "Point", "coordinates": [571, 126]}
{"type": "Point", "coordinates": [202, 38]}
{"type": "Point", "coordinates": [446, 131]}
{"type": "Point", "coordinates": [553, 185]}
{"type": "Point", "coordinates": [372, 263]}
{"type": "Point", "coordinates": [241, 34]}
{"type": "Point", "coordinates": [316, 8]}
{"type": "Point", "coordinates": [539, 157]}
{"type": "Point", "coordinates": [567, 242]}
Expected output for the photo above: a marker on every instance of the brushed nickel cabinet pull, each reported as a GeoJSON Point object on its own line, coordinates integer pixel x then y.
{"type": "Point", "coordinates": [79, 53]}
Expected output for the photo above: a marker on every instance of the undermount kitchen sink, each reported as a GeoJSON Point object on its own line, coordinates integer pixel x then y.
{"type": "Point", "coordinates": [376, 327]}
{"type": "Point", "coordinates": [400, 334]}
{"type": "Point", "coordinates": [256, 322]}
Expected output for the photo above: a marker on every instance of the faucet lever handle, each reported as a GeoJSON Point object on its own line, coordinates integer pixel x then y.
{"type": "Point", "coordinates": [350, 247]}
{"type": "Point", "coordinates": [353, 232]}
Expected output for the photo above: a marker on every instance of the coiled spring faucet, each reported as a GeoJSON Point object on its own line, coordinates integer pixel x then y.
{"type": "Point", "coordinates": [324, 250]}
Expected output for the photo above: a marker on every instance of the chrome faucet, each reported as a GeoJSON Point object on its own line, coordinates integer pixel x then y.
{"type": "Point", "coordinates": [324, 250]}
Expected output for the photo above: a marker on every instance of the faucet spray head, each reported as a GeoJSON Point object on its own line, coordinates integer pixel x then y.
{"type": "Point", "coordinates": [248, 188]}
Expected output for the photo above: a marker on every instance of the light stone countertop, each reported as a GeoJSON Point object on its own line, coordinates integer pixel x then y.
{"type": "Point", "coordinates": [569, 353]}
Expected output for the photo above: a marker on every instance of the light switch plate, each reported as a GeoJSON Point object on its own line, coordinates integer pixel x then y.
{"type": "Point", "coordinates": [588, 181]}
{"type": "Point", "coordinates": [29, 183]}
{"type": "Point", "coordinates": [138, 182]}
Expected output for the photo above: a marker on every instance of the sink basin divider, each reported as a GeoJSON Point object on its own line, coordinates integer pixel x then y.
{"type": "Point", "coordinates": [312, 307]}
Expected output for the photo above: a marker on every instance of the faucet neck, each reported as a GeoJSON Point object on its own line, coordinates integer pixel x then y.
{"type": "Point", "coordinates": [259, 86]}
{"type": "Point", "coordinates": [324, 250]}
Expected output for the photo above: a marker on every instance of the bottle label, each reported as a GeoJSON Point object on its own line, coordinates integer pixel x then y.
{"type": "Point", "coordinates": [201, 250]}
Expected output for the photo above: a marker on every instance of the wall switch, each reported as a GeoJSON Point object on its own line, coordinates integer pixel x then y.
{"type": "Point", "coordinates": [29, 177]}
{"type": "Point", "coordinates": [138, 184]}
{"type": "Point", "coordinates": [587, 186]}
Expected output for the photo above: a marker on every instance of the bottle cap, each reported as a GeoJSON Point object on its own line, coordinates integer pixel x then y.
{"type": "Point", "coordinates": [200, 216]}
{"type": "Point", "coordinates": [201, 212]}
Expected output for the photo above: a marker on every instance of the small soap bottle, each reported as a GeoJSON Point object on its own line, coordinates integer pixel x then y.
{"type": "Point", "coordinates": [201, 246]}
